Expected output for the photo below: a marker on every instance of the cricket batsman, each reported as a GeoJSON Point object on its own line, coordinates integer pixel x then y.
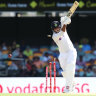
{"type": "Point", "coordinates": [68, 54]}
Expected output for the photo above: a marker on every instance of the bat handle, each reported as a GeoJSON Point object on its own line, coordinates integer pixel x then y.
{"type": "Point", "coordinates": [69, 14]}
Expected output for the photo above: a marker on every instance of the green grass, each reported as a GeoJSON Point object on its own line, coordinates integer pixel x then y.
{"type": "Point", "coordinates": [48, 94]}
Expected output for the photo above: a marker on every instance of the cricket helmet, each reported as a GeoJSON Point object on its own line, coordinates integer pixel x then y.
{"type": "Point", "coordinates": [55, 24]}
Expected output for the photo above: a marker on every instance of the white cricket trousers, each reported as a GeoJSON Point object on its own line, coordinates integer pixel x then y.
{"type": "Point", "coordinates": [67, 62]}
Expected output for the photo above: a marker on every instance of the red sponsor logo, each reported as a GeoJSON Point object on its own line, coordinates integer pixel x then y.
{"type": "Point", "coordinates": [41, 89]}
{"type": "Point", "coordinates": [1, 89]}
{"type": "Point", "coordinates": [80, 88]}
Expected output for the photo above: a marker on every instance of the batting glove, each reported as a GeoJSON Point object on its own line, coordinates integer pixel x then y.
{"type": "Point", "coordinates": [65, 20]}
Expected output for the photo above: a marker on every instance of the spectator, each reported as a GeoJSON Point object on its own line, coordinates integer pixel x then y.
{"type": "Point", "coordinates": [13, 70]}
{"type": "Point", "coordinates": [27, 52]}
{"type": "Point", "coordinates": [81, 73]}
{"type": "Point", "coordinates": [39, 65]}
{"type": "Point", "coordinates": [88, 56]}
{"type": "Point", "coordinates": [89, 72]}
{"type": "Point", "coordinates": [4, 52]}
{"type": "Point", "coordinates": [86, 46]}
{"type": "Point", "coordinates": [29, 65]}
{"type": "Point", "coordinates": [16, 52]}
{"type": "Point", "coordinates": [94, 71]}
{"type": "Point", "coordinates": [80, 51]}
{"type": "Point", "coordinates": [31, 69]}
{"type": "Point", "coordinates": [46, 57]}
{"type": "Point", "coordinates": [80, 62]}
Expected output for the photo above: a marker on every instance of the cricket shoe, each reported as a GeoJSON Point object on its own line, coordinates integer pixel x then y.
{"type": "Point", "coordinates": [66, 90]}
{"type": "Point", "coordinates": [69, 90]}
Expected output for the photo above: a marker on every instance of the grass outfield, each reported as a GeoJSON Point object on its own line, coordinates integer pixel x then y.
{"type": "Point", "coordinates": [48, 94]}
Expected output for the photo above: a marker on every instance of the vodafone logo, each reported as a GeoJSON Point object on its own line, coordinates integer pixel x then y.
{"type": "Point", "coordinates": [1, 89]}
{"type": "Point", "coordinates": [41, 89]}
{"type": "Point", "coordinates": [37, 85]}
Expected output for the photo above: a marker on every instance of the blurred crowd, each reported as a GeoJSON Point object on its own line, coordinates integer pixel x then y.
{"type": "Point", "coordinates": [29, 61]}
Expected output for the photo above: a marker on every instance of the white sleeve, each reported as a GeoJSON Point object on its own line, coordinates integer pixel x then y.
{"type": "Point", "coordinates": [56, 36]}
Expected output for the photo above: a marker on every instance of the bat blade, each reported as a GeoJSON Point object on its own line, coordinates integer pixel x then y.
{"type": "Point", "coordinates": [72, 9]}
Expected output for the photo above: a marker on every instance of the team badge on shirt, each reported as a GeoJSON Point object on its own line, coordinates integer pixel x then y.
{"type": "Point", "coordinates": [60, 38]}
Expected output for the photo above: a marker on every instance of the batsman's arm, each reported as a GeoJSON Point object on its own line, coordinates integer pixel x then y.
{"type": "Point", "coordinates": [64, 22]}
{"type": "Point", "coordinates": [63, 28]}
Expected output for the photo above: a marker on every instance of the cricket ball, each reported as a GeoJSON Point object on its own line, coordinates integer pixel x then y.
{"type": "Point", "coordinates": [9, 55]}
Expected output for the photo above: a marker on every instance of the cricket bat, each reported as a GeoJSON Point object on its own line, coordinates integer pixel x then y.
{"type": "Point", "coordinates": [72, 9]}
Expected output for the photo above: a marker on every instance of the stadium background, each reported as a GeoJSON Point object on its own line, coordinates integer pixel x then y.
{"type": "Point", "coordinates": [23, 33]}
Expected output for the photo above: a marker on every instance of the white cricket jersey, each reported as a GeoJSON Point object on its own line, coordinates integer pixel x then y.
{"type": "Point", "coordinates": [63, 41]}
